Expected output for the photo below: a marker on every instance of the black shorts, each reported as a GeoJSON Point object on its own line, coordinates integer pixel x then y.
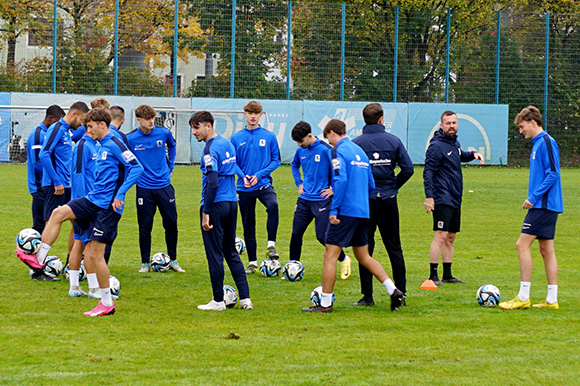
{"type": "Point", "coordinates": [446, 218]}
{"type": "Point", "coordinates": [52, 201]}
{"type": "Point", "coordinates": [352, 231]}
{"type": "Point", "coordinates": [100, 223]}
{"type": "Point", "coordinates": [540, 223]}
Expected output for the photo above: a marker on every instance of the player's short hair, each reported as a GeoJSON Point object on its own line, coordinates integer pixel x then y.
{"type": "Point", "coordinates": [253, 107]}
{"type": "Point", "coordinates": [446, 113]}
{"type": "Point", "coordinates": [335, 125]}
{"type": "Point", "coordinates": [528, 114]}
{"type": "Point", "coordinates": [372, 113]}
{"type": "Point", "coordinates": [117, 112]}
{"type": "Point", "coordinates": [201, 117]}
{"type": "Point", "coordinates": [79, 106]}
{"type": "Point", "coordinates": [301, 130]}
{"type": "Point", "coordinates": [145, 112]}
{"type": "Point", "coordinates": [98, 115]}
{"type": "Point", "coordinates": [100, 102]}
{"type": "Point", "coordinates": [55, 111]}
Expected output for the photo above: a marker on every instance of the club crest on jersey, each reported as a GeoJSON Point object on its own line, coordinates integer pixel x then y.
{"type": "Point", "coordinates": [128, 156]}
{"type": "Point", "coordinates": [104, 155]}
{"type": "Point", "coordinates": [262, 142]}
{"type": "Point", "coordinates": [336, 164]}
{"type": "Point", "coordinates": [159, 143]}
{"type": "Point", "coordinates": [317, 158]}
{"type": "Point", "coordinates": [207, 160]}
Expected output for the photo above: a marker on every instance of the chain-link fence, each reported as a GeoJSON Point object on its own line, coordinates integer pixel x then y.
{"type": "Point", "coordinates": [360, 50]}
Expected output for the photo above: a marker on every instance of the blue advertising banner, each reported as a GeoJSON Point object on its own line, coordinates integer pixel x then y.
{"type": "Point", "coordinates": [5, 127]}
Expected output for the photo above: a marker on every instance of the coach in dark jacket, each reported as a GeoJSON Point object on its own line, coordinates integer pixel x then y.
{"type": "Point", "coordinates": [385, 152]}
{"type": "Point", "coordinates": [443, 180]}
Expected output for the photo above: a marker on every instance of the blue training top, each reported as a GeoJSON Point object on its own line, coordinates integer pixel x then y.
{"type": "Point", "coordinates": [84, 155]}
{"type": "Point", "coordinates": [77, 134]}
{"type": "Point", "coordinates": [316, 170]}
{"type": "Point", "coordinates": [33, 164]}
{"type": "Point", "coordinates": [55, 155]}
{"type": "Point", "coordinates": [113, 158]}
{"type": "Point", "coordinates": [151, 151]}
{"type": "Point", "coordinates": [545, 185]}
{"type": "Point", "coordinates": [257, 153]}
{"type": "Point", "coordinates": [352, 180]}
{"type": "Point", "coordinates": [218, 166]}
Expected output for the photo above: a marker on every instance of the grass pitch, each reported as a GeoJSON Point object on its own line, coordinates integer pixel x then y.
{"type": "Point", "coordinates": [158, 336]}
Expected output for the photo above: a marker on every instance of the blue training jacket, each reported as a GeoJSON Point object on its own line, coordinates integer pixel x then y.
{"type": "Point", "coordinates": [83, 161]}
{"type": "Point", "coordinates": [55, 155]}
{"type": "Point", "coordinates": [352, 180]}
{"type": "Point", "coordinates": [218, 168]}
{"type": "Point", "coordinates": [442, 176]}
{"type": "Point", "coordinates": [257, 153]}
{"type": "Point", "coordinates": [77, 134]}
{"type": "Point", "coordinates": [545, 185]}
{"type": "Point", "coordinates": [156, 160]}
{"type": "Point", "coordinates": [111, 181]}
{"type": "Point", "coordinates": [33, 164]}
{"type": "Point", "coordinates": [385, 152]}
{"type": "Point", "coordinates": [315, 161]}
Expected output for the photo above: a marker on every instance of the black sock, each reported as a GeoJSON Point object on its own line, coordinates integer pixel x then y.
{"type": "Point", "coordinates": [433, 270]}
{"type": "Point", "coordinates": [447, 271]}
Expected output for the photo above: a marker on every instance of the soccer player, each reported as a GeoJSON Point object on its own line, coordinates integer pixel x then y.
{"type": "Point", "coordinates": [78, 132]}
{"type": "Point", "coordinates": [385, 152]}
{"type": "Point", "coordinates": [117, 120]}
{"type": "Point", "coordinates": [218, 212]}
{"type": "Point", "coordinates": [543, 204]}
{"type": "Point", "coordinates": [313, 156]}
{"type": "Point", "coordinates": [258, 155]}
{"type": "Point", "coordinates": [352, 176]}
{"type": "Point", "coordinates": [100, 211]}
{"type": "Point", "coordinates": [443, 182]}
{"type": "Point", "coordinates": [155, 148]}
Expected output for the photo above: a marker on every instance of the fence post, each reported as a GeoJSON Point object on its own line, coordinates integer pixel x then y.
{"type": "Point", "coordinates": [547, 62]}
{"type": "Point", "coordinates": [342, 55]}
{"type": "Point", "coordinates": [497, 55]}
{"type": "Point", "coordinates": [116, 53]}
{"type": "Point", "coordinates": [396, 64]}
{"type": "Point", "coordinates": [447, 55]}
{"type": "Point", "coordinates": [175, 38]}
{"type": "Point", "coordinates": [288, 50]}
{"type": "Point", "coordinates": [233, 54]}
{"type": "Point", "coordinates": [54, 35]}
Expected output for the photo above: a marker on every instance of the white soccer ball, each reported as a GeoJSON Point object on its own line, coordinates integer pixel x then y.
{"type": "Point", "coordinates": [115, 285]}
{"type": "Point", "coordinates": [52, 266]}
{"type": "Point", "coordinates": [316, 296]}
{"type": "Point", "coordinates": [240, 245]}
{"type": "Point", "coordinates": [488, 295]}
{"type": "Point", "coordinates": [160, 262]}
{"type": "Point", "coordinates": [293, 270]}
{"type": "Point", "coordinates": [82, 272]}
{"type": "Point", "coordinates": [230, 296]}
{"type": "Point", "coordinates": [28, 240]}
{"type": "Point", "coordinates": [270, 267]}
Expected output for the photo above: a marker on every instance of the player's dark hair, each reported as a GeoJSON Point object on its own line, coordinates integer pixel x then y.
{"type": "Point", "coordinates": [117, 112]}
{"type": "Point", "coordinates": [145, 112]}
{"type": "Point", "coordinates": [201, 117]}
{"type": "Point", "coordinates": [335, 125]}
{"type": "Point", "coordinates": [530, 113]}
{"type": "Point", "coordinates": [100, 103]}
{"type": "Point", "coordinates": [55, 111]}
{"type": "Point", "coordinates": [372, 113]}
{"type": "Point", "coordinates": [253, 107]}
{"type": "Point", "coordinates": [98, 115]}
{"type": "Point", "coordinates": [446, 113]}
{"type": "Point", "coordinates": [301, 130]}
{"type": "Point", "coordinates": [79, 106]}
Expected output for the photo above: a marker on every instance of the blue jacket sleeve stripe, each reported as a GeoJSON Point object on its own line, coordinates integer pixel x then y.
{"type": "Point", "coordinates": [80, 152]}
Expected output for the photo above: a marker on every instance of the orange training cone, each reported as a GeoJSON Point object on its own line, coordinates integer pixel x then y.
{"type": "Point", "coordinates": [428, 285]}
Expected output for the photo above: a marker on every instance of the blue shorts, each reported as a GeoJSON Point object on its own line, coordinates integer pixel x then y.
{"type": "Point", "coordinates": [100, 223]}
{"type": "Point", "coordinates": [352, 231]}
{"type": "Point", "coordinates": [80, 233]}
{"type": "Point", "coordinates": [540, 223]}
{"type": "Point", "coordinates": [446, 218]}
{"type": "Point", "coordinates": [52, 201]}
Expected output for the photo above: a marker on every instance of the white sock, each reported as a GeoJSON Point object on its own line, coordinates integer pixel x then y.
{"type": "Point", "coordinates": [271, 244]}
{"type": "Point", "coordinates": [326, 300]}
{"type": "Point", "coordinates": [524, 293]}
{"type": "Point", "coordinates": [73, 278]}
{"type": "Point", "coordinates": [42, 253]}
{"type": "Point", "coordinates": [106, 297]}
{"type": "Point", "coordinates": [92, 279]}
{"type": "Point", "coordinates": [390, 286]}
{"type": "Point", "coordinates": [552, 293]}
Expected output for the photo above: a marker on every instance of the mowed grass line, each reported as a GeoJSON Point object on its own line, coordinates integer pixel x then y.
{"type": "Point", "coordinates": [158, 336]}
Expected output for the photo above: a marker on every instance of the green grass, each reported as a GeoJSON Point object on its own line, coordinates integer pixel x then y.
{"type": "Point", "coordinates": [158, 336]}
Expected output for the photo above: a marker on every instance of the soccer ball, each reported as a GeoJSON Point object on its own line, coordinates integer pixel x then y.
{"type": "Point", "coordinates": [240, 245]}
{"type": "Point", "coordinates": [115, 285]}
{"type": "Point", "coordinates": [488, 295]}
{"type": "Point", "coordinates": [293, 270]}
{"type": "Point", "coordinates": [52, 266]}
{"type": "Point", "coordinates": [316, 296]}
{"type": "Point", "coordinates": [82, 272]}
{"type": "Point", "coordinates": [160, 262]}
{"type": "Point", "coordinates": [28, 240]}
{"type": "Point", "coordinates": [230, 296]}
{"type": "Point", "coordinates": [270, 267]}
